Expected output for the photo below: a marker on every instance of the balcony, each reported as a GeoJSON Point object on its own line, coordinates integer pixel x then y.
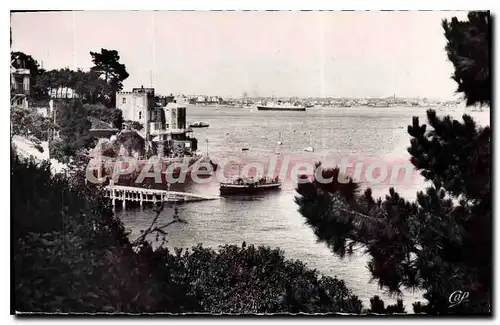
{"type": "Point", "coordinates": [20, 85]}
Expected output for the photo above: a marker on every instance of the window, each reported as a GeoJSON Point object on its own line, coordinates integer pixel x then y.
{"type": "Point", "coordinates": [140, 115]}
{"type": "Point", "coordinates": [124, 100]}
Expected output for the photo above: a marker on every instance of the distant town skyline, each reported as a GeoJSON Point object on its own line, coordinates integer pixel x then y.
{"type": "Point", "coordinates": [283, 54]}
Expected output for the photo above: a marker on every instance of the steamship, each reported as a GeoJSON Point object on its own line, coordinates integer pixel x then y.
{"type": "Point", "coordinates": [281, 106]}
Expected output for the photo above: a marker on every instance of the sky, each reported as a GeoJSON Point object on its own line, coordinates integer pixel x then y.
{"type": "Point", "coordinates": [262, 53]}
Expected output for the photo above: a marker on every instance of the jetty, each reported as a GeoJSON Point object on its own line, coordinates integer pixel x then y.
{"type": "Point", "coordinates": [146, 195]}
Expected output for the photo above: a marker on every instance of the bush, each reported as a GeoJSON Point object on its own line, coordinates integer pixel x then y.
{"type": "Point", "coordinates": [249, 279]}
{"type": "Point", "coordinates": [71, 254]}
{"type": "Point", "coordinates": [74, 128]}
{"type": "Point", "coordinates": [136, 125]}
{"type": "Point", "coordinates": [29, 123]}
{"type": "Point", "coordinates": [109, 152]}
{"type": "Point", "coordinates": [59, 151]}
{"type": "Point", "coordinates": [109, 115]}
{"type": "Point", "coordinates": [377, 305]}
{"type": "Point", "coordinates": [397, 308]}
{"type": "Point", "coordinates": [132, 142]}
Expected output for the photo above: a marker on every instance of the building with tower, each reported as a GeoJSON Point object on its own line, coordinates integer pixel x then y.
{"type": "Point", "coordinates": [164, 127]}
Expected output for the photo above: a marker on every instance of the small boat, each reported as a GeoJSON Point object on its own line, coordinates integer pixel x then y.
{"type": "Point", "coordinates": [309, 149]}
{"type": "Point", "coordinates": [199, 125]}
{"type": "Point", "coordinates": [249, 185]}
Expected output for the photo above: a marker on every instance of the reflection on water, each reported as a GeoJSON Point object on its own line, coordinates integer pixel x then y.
{"type": "Point", "coordinates": [272, 218]}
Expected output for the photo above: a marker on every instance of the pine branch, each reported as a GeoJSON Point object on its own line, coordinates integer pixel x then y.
{"type": "Point", "coordinates": [154, 228]}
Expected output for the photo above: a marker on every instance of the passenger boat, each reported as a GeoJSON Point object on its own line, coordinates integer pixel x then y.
{"type": "Point", "coordinates": [250, 185]}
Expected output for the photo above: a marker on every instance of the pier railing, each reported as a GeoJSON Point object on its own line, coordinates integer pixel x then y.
{"type": "Point", "coordinates": [143, 195]}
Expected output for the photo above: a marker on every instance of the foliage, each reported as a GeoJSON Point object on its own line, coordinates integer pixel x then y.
{"type": "Point", "coordinates": [439, 244]}
{"type": "Point", "coordinates": [109, 152]}
{"type": "Point", "coordinates": [109, 115]}
{"type": "Point", "coordinates": [468, 48]}
{"type": "Point", "coordinates": [26, 122]}
{"type": "Point", "coordinates": [136, 125]}
{"type": "Point", "coordinates": [96, 86]}
{"type": "Point", "coordinates": [251, 279]}
{"type": "Point", "coordinates": [86, 86]}
{"type": "Point", "coordinates": [107, 66]}
{"type": "Point", "coordinates": [397, 308]}
{"type": "Point", "coordinates": [377, 306]}
{"type": "Point", "coordinates": [74, 128]}
{"type": "Point", "coordinates": [71, 254]}
{"type": "Point", "coordinates": [433, 244]}
{"type": "Point", "coordinates": [58, 151]}
{"type": "Point", "coordinates": [150, 153]}
{"type": "Point", "coordinates": [132, 142]}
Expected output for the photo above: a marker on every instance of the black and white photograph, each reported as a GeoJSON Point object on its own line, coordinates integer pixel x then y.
{"type": "Point", "coordinates": [285, 162]}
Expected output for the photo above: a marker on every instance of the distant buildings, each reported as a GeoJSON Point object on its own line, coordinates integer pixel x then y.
{"type": "Point", "coordinates": [205, 100]}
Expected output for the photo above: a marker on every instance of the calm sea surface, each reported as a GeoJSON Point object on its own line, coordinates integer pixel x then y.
{"type": "Point", "coordinates": [273, 219]}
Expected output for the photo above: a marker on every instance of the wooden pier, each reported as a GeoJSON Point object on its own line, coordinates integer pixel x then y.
{"type": "Point", "coordinates": [145, 195]}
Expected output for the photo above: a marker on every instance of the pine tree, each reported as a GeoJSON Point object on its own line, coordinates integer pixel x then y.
{"type": "Point", "coordinates": [468, 49]}
{"type": "Point", "coordinates": [442, 242]}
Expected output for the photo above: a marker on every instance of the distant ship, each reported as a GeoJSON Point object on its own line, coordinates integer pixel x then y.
{"type": "Point", "coordinates": [280, 106]}
{"type": "Point", "coordinates": [249, 186]}
{"type": "Point", "coordinates": [199, 125]}
{"type": "Point", "coordinates": [378, 104]}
